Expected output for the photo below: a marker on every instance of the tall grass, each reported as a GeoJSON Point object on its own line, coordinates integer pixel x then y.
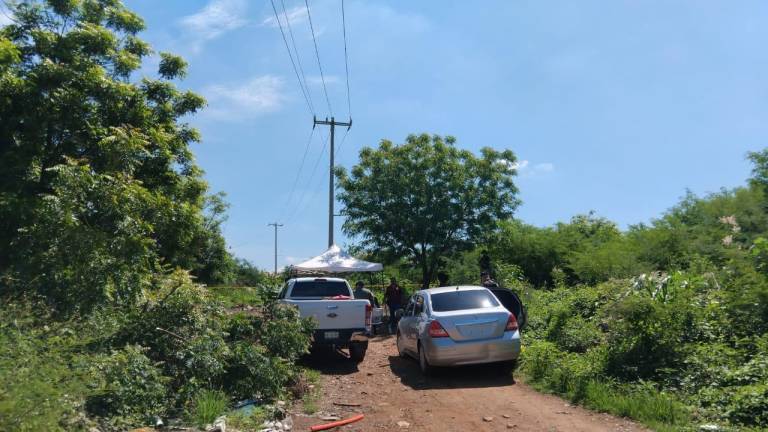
{"type": "Point", "coordinates": [207, 405]}
{"type": "Point", "coordinates": [647, 405]}
{"type": "Point", "coordinates": [311, 398]}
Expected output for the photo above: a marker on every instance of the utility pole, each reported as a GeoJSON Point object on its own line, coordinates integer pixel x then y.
{"type": "Point", "coordinates": [332, 123]}
{"type": "Point", "coordinates": [276, 225]}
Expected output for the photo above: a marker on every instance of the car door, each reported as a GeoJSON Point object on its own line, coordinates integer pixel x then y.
{"type": "Point", "coordinates": [406, 325]}
{"type": "Point", "coordinates": [416, 319]}
{"type": "Point", "coordinates": [512, 303]}
{"type": "Point", "coordinates": [419, 317]}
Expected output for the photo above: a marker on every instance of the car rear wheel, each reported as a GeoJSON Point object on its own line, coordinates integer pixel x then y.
{"type": "Point", "coordinates": [398, 342]}
{"type": "Point", "coordinates": [357, 351]}
{"type": "Point", "coordinates": [424, 365]}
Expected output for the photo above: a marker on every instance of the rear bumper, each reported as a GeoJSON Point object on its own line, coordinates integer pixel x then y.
{"type": "Point", "coordinates": [448, 352]}
{"type": "Point", "coordinates": [345, 336]}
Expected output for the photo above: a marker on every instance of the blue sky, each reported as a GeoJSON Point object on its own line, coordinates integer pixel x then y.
{"type": "Point", "coordinates": [612, 106]}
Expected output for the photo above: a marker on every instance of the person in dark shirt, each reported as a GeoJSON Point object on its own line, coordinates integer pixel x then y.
{"type": "Point", "coordinates": [393, 298]}
{"type": "Point", "coordinates": [487, 281]}
{"type": "Point", "coordinates": [485, 262]}
{"type": "Point", "coordinates": [362, 293]}
{"type": "Point", "coordinates": [442, 279]}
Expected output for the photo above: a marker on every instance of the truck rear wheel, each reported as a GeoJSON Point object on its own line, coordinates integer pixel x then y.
{"type": "Point", "coordinates": [357, 351]}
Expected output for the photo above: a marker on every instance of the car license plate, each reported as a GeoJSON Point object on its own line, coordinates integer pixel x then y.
{"type": "Point", "coordinates": [331, 335]}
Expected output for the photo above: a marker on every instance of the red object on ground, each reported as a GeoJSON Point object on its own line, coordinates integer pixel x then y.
{"type": "Point", "coordinates": [337, 423]}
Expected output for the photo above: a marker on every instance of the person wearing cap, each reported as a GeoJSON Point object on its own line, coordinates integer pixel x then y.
{"type": "Point", "coordinates": [363, 293]}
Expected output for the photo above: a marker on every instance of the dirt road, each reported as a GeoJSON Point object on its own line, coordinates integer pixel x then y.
{"type": "Point", "coordinates": [391, 390]}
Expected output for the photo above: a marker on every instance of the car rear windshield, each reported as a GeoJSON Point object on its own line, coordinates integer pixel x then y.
{"type": "Point", "coordinates": [460, 300]}
{"type": "Point", "coordinates": [319, 289]}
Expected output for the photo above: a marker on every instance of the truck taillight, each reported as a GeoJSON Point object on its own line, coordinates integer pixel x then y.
{"type": "Point", "coordinates": [368, 315]}
{"type": "Point", "coordinates": [511, 323]}
{"type": "Point", "coordinates": [436, 330]}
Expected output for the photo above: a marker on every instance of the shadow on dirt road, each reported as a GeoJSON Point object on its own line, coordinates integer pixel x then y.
{"type": "Point", "coordinates": [329, 361]}
{"type": "Point", "coordinates": [476, 376]}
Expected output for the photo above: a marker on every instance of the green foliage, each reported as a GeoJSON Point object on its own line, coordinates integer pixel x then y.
{"type": "Point", "coordinates": [747, 405]}
{"type": "Point", "coordinates": [452, 198]}
{"type": "Point", "coordinates": [532, 249]}
{"type": "Point", "coordinates": [580, 377]}
{"type": "Point", "coordinates": [691, 332]}
{"type": "Point", "coordinates": [121, 367]}
{"type": "Point", "coordinates": [250, 420]}
{"type": "Point", "coordinates": [643, 402]}
{"type": "Point", "coordinates": [105, 221]}
{"type": "Point", "coordinates": [43, 383]}
{"type": "Point", "coordinates": [644, 338]}
{"type": "Point", "coordinates": [248, 275]}
{"type": "Point", "coordinates": [98, 187]}
{"type": "Point", "coordinates": [251, 372]}
{"type": "Point", "coordinates": [232, 296]}
{"type": "Point", "coordinates": [206, 407]}
{"type": "Point", "coordinates": [133, 389]}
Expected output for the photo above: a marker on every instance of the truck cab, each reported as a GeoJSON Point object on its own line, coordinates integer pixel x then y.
{"type": "Point", "coordinates": [341, 321]}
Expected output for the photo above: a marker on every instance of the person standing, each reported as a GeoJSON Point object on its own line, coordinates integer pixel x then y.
{"type": "Point", "coordinates": [485, 262]}
{"type": "Point", "coordinates": [362, 293]}
{"type": "Point", "coordinates": [442, 279]}
{"type": "Point", "coordinates": [393, 297]}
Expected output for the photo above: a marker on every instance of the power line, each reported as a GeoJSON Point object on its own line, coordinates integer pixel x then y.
{"type": "Point", "coordinates": [293, 63]}
{"type": "Point", "coordinates": [303, 195]}
{"type": "Point", "coordinates": [296, 50]}
{"type": "Point", "coordinates": [343, 139]}
{"type": "Point", "coordinates": [346, 59]}
{"type": "Point", "coordinates": [298, 173]}
{"type": "Point", "coordinates": [317, 54]}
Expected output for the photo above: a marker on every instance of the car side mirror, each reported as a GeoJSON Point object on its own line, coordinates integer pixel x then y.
{"type": "Point", "coordinates": [399, 313]}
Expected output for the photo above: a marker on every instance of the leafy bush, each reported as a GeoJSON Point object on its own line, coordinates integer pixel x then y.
{"type": "Point", "coordinates": [644, 338]}
{"type": "Point", "coordinates": [747, 405]}
{"type": "Point", "coordinates": [133, 389]}
{"type": "Point", "coordinates": [252, 373]}
{"type": "Point", "coordinates": [42, 379]}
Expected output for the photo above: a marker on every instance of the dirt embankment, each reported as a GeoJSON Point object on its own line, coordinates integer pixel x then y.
{"type": "Point", "coordinates": [393, 395]}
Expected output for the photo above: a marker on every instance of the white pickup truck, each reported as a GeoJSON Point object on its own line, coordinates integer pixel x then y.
{"type": "Point", "coordinates": [341, 320]}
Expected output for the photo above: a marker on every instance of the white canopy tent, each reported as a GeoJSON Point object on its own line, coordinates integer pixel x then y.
{"type": "Point", "coordinates": [335, 260]}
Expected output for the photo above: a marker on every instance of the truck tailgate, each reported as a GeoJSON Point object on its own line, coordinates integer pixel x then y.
{"type": "Point", "coordinates": [333, 314]}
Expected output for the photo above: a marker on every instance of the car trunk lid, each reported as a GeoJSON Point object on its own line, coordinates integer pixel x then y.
{"type": "Point", "coordinates": [467, 325]}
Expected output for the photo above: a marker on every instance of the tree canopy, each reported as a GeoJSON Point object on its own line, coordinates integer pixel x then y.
{"type": "Point", "coordinates": [426, 199]}
{"type": "Point", "coordinates": [98, 187]}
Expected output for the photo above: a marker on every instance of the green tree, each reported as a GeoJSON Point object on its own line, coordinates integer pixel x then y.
{"type": "Point", "coordinates": [98, 186]}
{"type": "Point", "coordinates": [426, 199]}
{"type": "Point", "coordinates": [533, 249]}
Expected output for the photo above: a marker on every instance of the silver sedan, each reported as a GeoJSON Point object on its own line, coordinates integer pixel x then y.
{"type": "Point", "coordinates": [458, 326]}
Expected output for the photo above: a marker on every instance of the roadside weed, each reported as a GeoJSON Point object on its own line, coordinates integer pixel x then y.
{"type": "Point", "coordinates": [207, 405]}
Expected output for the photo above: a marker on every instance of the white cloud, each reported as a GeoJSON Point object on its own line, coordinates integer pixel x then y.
{"type": "Point", "coordinates": [295, 16]}
{"type": "Point", "coordinates": [526, 169]}
{"type": "Point", "coordinates": [215, 19]}
{"type": "Point", "coordinates": [519, 165]}
{"type": "Point", "coordinates": [259, 95]}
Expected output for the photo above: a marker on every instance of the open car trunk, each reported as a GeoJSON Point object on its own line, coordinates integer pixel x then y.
{"type": "Point", "coordinates": [512, 303]}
